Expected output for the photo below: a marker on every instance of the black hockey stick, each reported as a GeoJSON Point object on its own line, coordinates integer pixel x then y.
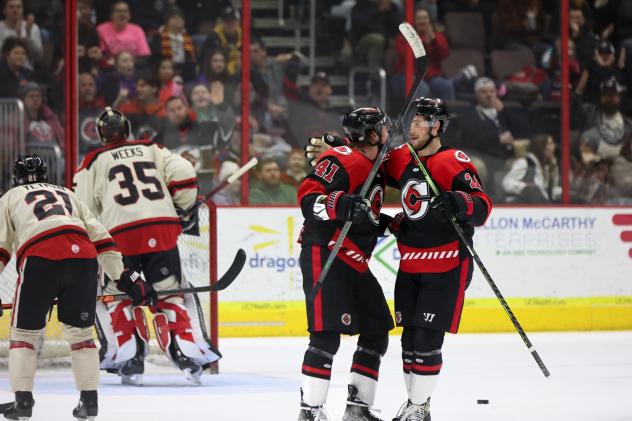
{"type": "Point", "coordinates": [483, 269]}
{"type": "Point", "coordinates": [421, 64]}
{"type": "Point", "coordinates": [222, 283]}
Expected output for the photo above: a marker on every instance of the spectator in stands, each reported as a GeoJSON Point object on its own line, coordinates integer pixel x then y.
{"type": "Point", "coordinates": [437, 50]}
{"type": "Point", "coordinates": [489, 129]}
{"type": "Point", "coordinates": [308, 117]}
{"type": "Point", "coordinates": [268, 189]}
{"type": "Point", "coordinates": [535, 177]}
{"type": "Point", "coordinates": [373, 24]}
{"type": "Point", "coordinates": [211, 108]}
{"type": "Point", "coordinates": [551, 63]}
{"type": "Point", "coordinates": [13, 70]}
{"type": "Point", "coordinates": [225, 35]}
{"type": "Point", "coordinates": [182, 130]}
{"type": "Point", "coordinates": [170, 82]}
{"type": "Point", "coordinates": [119, 35]}
{"type": "Point", "coordinates": [231, 194]}
{"type": "Point", "coordinates": [214, 74]}
{"type": "Point", "coordinates": [520, 21]}
{"type": "Point", "coordinates": [16, 25]}
{"type": "Point", "coordinates": [146, 109]}
{"type": "Point", "coordinates": [621, 172]}
{"type": "Point", "coordinates": [273, 80]}
{"type": "Point", "coordinates": [609, 127]}
{"type": "Point", "coordinates": [40, 123]}
{"type": "Point", "coordinates": [296, 168]}
{"type": "Point", "coordinates": [582, 35]}
{"type": "Point", "coordinates": [173, 41]}
{"type": "Point", "coordinates": [90, 106]}
{"type": "Point", "coordinates": [88, 37]}
{"type": "Point", "coordinates": [592, 185]}
{"type": "Point", "coordinates": [119, 84]}
{"type": "Point", "coordinates": [604, 66]}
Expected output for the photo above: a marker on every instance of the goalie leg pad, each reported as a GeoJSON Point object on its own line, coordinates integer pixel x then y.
{"type": "Point", "coordinates": [83, 355]}
{"type": "Point", "coordinates": [23, 358]}
{"type": "Point", "coordinates": [122, 332]}
{"type": "Point", "coordinates": [163, 336]}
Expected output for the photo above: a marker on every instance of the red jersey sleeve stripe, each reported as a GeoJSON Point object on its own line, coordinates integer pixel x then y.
{"type": "Point", "coordinates": [183, 184]}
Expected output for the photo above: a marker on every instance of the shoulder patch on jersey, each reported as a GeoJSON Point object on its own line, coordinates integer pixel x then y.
{"type": "Point", "coordinates": [461, 156]}
{"type": "Point", "coordinates": [343, 150]}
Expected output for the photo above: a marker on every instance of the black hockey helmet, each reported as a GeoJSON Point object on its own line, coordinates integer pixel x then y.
{"type": "Point", "coordinates": [358, 122]}
{"type": "Point", "coordinates": [433, 109]}
{"type": "Point", "coordinates": [29, 169]}
{"type": "Point", "coordinates": [113, 126]}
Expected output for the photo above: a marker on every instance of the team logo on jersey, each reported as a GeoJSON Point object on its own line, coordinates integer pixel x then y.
{"type": "Point", "coordinates": [462, 156]}
{"type": "Point", "coordinates": [346, 319]}
{"type": "Point", "coordinates": [398, 317]}
{"type": "Point", "coordinates": [75, 248]}
{"type": "Point", "coordinates": [151, 243]}
{"type": "Point", "coordinates": [376, 198]}
{"type": "Point", "coordinates": [342, 150]}
{"type": "Point", "coordinates": [84, 316]}
{"type": "Point", "coordinates": [415, 199]}
{"type": "Point", "coordinates": [164, 270]}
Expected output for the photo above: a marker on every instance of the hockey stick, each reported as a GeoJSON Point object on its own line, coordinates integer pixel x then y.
{"type": "Point", "coordinates": [421, 63]}
{"type": "Point", "coordinates": [482, 268]}
{"type": "Point", "coordinates": [222, 283]}
{"type": "Point", "coordinates": [230, 180]}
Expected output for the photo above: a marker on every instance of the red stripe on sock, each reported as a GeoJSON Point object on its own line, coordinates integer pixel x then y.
{"type": "Point", "coordinates": [366, 370]}
{"type": "Point", "coordinates": [81, 345]}
{"type": "Point", "coordinates": [426, 368]}
{"type": "Point", "coordinates": [21, 344]}
{"type": "Point", "coordinates": [321, 371]}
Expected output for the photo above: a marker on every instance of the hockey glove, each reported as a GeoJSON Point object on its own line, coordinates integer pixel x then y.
{"type": "Point", "coordinates": [189, 220]}
{"type": "Point", "coordinates": [316, 146]}
{"type": "Point", "coordinates": [139, 291]}
{"type": "Point", "coordinates": [347, 207]}
{"type": "Point", "coordinates": [396, 224]}
{"type": "Point", "coordinates": [454, 204]}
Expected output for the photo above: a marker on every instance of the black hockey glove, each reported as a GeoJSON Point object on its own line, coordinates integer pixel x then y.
{"type": "Point", "coordinates": [139, 291]}
{"type": "Point", "coordinates": [189, 220]}
{"type": "Point", "coordinates": [347, 207]}
{"type": "Point", "coordinates": [316, 146]}
{"type": "Point", "coordinates": [454, 204]}
{"type": "Point", "coordinates": [396, 224]}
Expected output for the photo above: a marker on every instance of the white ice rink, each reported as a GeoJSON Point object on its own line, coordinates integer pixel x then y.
{"type": "Point", "coordinates": [591, 379]}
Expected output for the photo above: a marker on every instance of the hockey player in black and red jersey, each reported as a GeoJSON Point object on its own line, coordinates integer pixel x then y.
{"type": "Point", "coordinates": [144, 195]}
{"type": "Point", "coordinates": [351, 301]}
{"type": "Point", "coordinates": [57, 242]}
{"type": "Point", "coordinates": [435, 267]}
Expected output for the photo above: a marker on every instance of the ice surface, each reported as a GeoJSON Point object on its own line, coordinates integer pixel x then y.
{"type": "Point", "coordinates": [591, 379]}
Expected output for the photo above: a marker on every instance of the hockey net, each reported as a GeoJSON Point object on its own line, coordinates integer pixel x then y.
{"type": "Point", "coordinates": [54, 351]}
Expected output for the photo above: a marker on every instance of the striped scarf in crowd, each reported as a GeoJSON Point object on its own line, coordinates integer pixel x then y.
{"type": "Point", "coordinates": [167, 51]}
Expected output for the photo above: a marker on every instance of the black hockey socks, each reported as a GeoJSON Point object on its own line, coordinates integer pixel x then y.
{"type": "Point", "coordinates": [316, 367]}
{"type": "Point", "coordinates": [426, 364]}
{"type": "Point", "coordinates": [365, 368]}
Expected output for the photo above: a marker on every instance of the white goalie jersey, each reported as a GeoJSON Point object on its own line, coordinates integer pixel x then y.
{"type": "Point", "coordinates": [48, 221]}
{"type": "Point", "coordinates": [135, 187]}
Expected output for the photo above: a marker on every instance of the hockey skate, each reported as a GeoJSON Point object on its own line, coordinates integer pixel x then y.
{"type": "Point", "coordinates": [131, 371]}
{"type": "Point", "coordinates": [312, 413]}
{"type": "Point", "coordinates": [21, 408]}
{"type": "Point", "coordinates": [88, 407]}
{"type": "Point", "coordinates": [410, 412]}
{"type": "Point", "coordinates": [356, 409]}
{"type": "Point", "coordinates": [191, 369]}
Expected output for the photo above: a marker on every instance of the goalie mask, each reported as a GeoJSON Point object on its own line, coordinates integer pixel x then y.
{"type": "Point", "coordinates": [359, 123]}
{"type": "Point", "coordinates": [29, 169]}
{"type": "Point", "coordinates": [113, 126]}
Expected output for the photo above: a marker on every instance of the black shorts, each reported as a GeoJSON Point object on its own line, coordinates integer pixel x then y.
{"type": "Point", "coordinates": [73, 282]}
{"type": "Point", "coordinates": [349, 302]}
{"type": "Point", "coordinates": [157, 266]}
{"type": "Point", "coordinates": [432, 300]}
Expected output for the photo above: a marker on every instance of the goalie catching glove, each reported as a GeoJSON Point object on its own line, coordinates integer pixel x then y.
{"type": "Point", "coordinates": [139, 291]}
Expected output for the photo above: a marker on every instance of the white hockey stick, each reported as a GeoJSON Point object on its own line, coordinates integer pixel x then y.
{"type": "Point", "coordinates": [234, 177]}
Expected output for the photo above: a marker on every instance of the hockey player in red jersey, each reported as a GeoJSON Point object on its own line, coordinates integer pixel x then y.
{"type": "Point", "coordinates": [435, 267]}
{"type": "Point", "coordinates": [144, 195]}
{"type": "Point", "coordinates": [351, 301]}
{"type": "Point", "coordinates": [57, 242]}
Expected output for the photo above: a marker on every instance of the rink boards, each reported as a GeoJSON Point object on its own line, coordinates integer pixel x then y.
{"type": "Point", "coordinates": [560, 268]}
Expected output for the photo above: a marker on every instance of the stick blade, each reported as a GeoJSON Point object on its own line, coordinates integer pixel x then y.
{"type": "Point", "coordinates": [413, 39]}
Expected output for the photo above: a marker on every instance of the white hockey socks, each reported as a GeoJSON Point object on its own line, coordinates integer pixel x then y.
{"type": "Point", "coordinates": [23, 358]}
{"type": "Point", "coordinates": [84, 356]}
{"type": "Point", "coordinates": [424, 375]}
{"type": "Point", "coordinates": [365, 371]}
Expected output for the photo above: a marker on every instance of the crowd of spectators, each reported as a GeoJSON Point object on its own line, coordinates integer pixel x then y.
{"type": "Point", "coordinates": [175, 70]}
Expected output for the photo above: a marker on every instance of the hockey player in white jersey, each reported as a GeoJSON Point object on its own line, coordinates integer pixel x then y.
{"type": "Point", "coordinates": [57, 242]}
{"type": "Point", "coordinates": [144, 195]}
